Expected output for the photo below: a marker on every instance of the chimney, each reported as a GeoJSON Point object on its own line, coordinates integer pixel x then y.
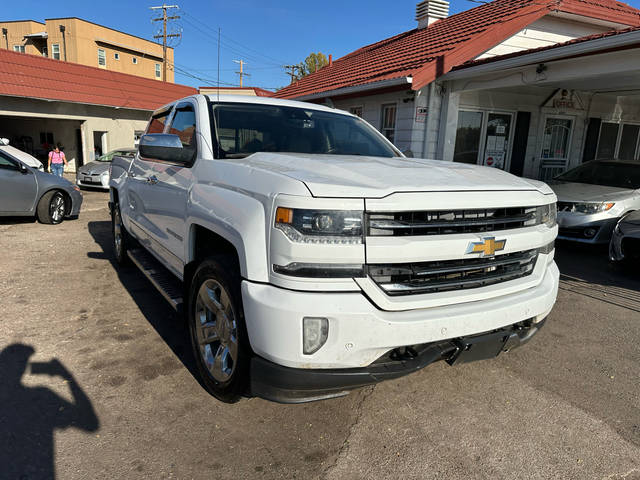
{"type": "Point", "coordinates": [330, 59]}
{"type": "Point", "coordinates": [428, 11]}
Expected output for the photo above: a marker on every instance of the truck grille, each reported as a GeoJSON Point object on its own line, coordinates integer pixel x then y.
{"type": "Point", "coordinates": [445, 222]}
{"type": "Point", "coordinates": [442, 276]}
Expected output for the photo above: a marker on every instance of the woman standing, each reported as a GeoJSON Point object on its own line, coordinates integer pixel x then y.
{"type": "Point", "coordinates": [57, 161]}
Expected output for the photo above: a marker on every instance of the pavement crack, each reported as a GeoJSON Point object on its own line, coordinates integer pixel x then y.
{"type": "Point", "coordinates": [344, 448]}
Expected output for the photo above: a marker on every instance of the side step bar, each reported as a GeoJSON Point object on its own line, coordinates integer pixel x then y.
{"type": "Point", "coordinates": [161, 278]}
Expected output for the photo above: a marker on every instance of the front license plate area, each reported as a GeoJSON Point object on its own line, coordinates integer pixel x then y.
{"type": "Point", "coordinates": [87, 180]}
{"type": "Point", "coordinates": [471, 349]}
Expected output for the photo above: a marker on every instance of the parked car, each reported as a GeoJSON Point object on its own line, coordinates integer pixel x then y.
{"type": "Point", "coordinates": [19, 155]}
{"type": "Point", "coordinates": [311, 257]}
{"type": "Point", "coordinates": [593, 197]}
{"type": "Point", "coordinates": [96, 174]}
{"type": "Point", "coordinates": [625, 242]}
{"type": "Point", "coordinates": [27, 191]}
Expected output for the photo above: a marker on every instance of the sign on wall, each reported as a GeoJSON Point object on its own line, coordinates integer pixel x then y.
{"type": "Point", "coordinates": [421, 114]}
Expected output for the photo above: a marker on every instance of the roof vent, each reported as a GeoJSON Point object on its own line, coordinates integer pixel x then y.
{"type": "Point", "coordinates": [429, 11]}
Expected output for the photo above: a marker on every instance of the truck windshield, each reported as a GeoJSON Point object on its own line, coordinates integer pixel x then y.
{"type": "Point", "coordinates": [607, 173]}
{"type": "Point", "coordinates": [243, 129]}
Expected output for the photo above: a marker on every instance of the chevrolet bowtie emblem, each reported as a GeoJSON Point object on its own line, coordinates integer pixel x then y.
{"type": "Point", "coordinates": [488, 247]}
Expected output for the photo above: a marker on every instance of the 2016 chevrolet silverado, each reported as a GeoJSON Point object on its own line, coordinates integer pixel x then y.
{"type": "Point", "coordinates": [310, 257]}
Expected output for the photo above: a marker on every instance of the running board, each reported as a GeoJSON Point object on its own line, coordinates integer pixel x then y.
{"type": "Point", "coordinates": [161, 278]}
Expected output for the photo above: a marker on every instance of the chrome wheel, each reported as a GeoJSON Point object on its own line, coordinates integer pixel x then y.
{"type": "Point", "coordinates": [216, 330]}
{"type": "Point", "coordinates": [57, 208]}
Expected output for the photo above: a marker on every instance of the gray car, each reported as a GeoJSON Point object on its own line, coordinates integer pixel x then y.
{"type": "Point", "coordinates": [25, 191]}
{"type": "Point", "coordinates": [625, 242]}
{"type": "Point", "coordinates": [593, 197]}
{"type": "Point", "coordinates": [96, 174]}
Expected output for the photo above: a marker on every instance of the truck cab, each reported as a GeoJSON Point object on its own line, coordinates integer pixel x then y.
{"type": "Point", "coordinates": [310, 257]}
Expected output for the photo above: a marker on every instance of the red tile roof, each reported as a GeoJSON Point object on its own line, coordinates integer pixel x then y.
{"type": "Point", "coordinates": [32, 76]}
{"type": "Point", "coordinates": [425, 54]}
{"type": "Point", "coordinates": [522, 53]}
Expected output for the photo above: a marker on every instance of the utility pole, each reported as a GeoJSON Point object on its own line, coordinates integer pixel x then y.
{"type": "Point", "coordinates": [164, 18]}
{"type": "Point", "coordinates": [292, 73]}
{"type": "Point", "coordinates": [242, 73]}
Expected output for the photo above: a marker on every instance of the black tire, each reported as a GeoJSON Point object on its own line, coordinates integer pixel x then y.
{"type": "Point", "coordinates": [52, 208]}
{"type": "Point", "coordinates": [219, 279]}
{"type": "Point", "coordinates": [120, 238]}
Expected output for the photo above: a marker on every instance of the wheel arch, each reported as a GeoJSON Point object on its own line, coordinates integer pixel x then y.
{"type": "Point", "coordinates": [68, 201]}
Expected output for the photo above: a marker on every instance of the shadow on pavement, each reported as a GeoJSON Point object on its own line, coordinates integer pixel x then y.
{"type": "Point", "coordinates": [29, 415]}
{"type": "Point", "coordinates": [170, 326]}
{"type": "Point", "coordinates": [586, 269]}
{"type": "Point", "coordinates": [14, 220]}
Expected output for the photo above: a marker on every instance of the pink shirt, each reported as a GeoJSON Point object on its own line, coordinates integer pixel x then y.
{"type": "Point", "coordinates": [56, 157]}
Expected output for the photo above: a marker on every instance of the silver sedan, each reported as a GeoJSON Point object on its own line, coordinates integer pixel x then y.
{"type": "Point", "coordinates": [625, 242]}
{"type": "Point", "coordinates": [26, 191]}
{"type": "Point", "coordinates": [593, 197]}
{"type": "Point", "coordinates": [96, 174]}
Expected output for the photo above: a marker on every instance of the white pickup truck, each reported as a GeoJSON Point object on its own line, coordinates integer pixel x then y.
{"type": "Point", "coordinates": [312, 257]}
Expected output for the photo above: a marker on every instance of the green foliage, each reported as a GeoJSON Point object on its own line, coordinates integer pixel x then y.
{"type": "Point", "coordinates": [311, 64]}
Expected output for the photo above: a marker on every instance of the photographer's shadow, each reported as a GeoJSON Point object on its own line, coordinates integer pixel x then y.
{"type": "Point", "coordinates": [30, 415]}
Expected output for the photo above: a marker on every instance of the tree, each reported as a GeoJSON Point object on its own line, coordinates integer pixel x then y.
{"type": "Point", "coordinates": [311, 64]}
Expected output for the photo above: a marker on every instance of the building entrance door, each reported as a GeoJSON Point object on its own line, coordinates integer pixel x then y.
{"type": "Point", "coordinates": [496, 146]}
{"type": "Point", "coordinates": [484, 138]}
{"type": "Point", "coordinates": [556, 142]}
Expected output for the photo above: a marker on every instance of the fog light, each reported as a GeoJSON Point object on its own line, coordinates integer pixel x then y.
{"type": "Point", "coordinates": [315, 331]}
{"type": "Point", "coordinates": [590, 232]}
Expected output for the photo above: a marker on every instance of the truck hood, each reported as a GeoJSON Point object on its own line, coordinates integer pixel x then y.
{"type": "Point", "coordinates": [347, 176]}
{"type": "Point", "coordinates": [584, 192]}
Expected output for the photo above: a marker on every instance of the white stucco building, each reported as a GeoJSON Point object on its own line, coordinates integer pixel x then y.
{"type": "Point", "coordinates": [531, 87]}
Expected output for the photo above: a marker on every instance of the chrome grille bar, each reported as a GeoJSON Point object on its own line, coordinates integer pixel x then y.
{"type": "Point", "coordinates": [439, 276]}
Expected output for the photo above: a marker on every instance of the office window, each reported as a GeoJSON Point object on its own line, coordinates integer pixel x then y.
{"type": "Point", "coordinates": [116, 56]}
{"type": "Point", "coordinates": [158, 70]}
{"type": "Point", "coordinates": [18, 48]}
{"type": "Point", "coordinates": [357, 111]}
{"type": "Point", "coordinates": [388, 127]}
{"type": "Point", "coordinates": [134, 60]}
{"type": "Point", "coordinates": [102, 58]}
{"type": "Point", "coordinates": [55, 51]}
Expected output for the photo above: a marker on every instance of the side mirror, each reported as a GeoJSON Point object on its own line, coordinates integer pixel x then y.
{"type": "Point", "coordinates": [408, 153]}
{"type": "Point", "coordinates": [23, 168]}
{"type": "Point", "coordinates": [166, 148]}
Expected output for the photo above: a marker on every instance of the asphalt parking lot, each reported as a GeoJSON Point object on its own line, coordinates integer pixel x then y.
{"type": "Point", "coordinates": [98, 382]}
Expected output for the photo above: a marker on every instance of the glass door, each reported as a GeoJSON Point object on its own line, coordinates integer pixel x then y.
{"type": "Point", "coordinates": [497, 136]}
{"type": "Point", "coordinates": [556, 142]}
{"type": "Point", "coordinates": [483, 138]}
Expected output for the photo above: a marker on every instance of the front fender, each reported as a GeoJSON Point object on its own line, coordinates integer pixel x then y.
{"type": "Point", "coordinates": [236, 217]}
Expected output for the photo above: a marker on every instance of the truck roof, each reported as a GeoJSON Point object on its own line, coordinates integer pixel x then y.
{"type": "Point", "coordinates": [271, 101]}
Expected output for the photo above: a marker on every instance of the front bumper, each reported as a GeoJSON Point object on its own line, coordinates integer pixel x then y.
{"type": "Point", "coordinates": [296, 385]}
{"type": "Point", "coordinates": [579, 228]}
{"type": "Point", "coordinates": [96, 181]}
{"type": "Point", "coordinates": [360, 333]}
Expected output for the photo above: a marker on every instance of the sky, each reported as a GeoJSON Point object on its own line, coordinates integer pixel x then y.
{"type": "Point", "coordinates": [264, 34]}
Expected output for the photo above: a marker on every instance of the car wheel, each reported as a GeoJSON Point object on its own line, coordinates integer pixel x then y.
{"type": "Point", "coordinates": [52, 208]}
{"type": "Point", "coordinates": [120, 236]}
{"type": "Point", "coordinates": [217, 329]}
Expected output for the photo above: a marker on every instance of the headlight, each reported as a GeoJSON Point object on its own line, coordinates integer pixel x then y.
{"type": "Point", "coordinates": [543, 215]}
{"type": "Point", "coordinates": [320, 226]}
{"type": "Point", "coordinates": [588, 208]}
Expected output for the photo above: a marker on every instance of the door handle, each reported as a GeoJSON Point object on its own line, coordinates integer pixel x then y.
{"type": "Point", "coordinates": [152, 180]}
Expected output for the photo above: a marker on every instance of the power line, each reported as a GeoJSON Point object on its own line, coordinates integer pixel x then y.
{"type": "Point", "coordinates": [164, 18]}
{"type": "Point", "coordinates": [229, 39]}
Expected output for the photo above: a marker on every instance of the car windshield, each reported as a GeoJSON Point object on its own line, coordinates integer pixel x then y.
{"type": "Point", "coordinates": [107, 157]}
{"type": "Point", "coordinates": [243, 129]}
{"type": "Point", "coordinates": [607, 173]}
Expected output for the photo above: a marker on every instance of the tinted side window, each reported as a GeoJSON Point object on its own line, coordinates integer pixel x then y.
{"type": "Point", "coordinates": [7, 164]}
{"type": "Point", "coordinates": [184, 126]}
{"type": "Point", "coordinates": [158, 122]}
